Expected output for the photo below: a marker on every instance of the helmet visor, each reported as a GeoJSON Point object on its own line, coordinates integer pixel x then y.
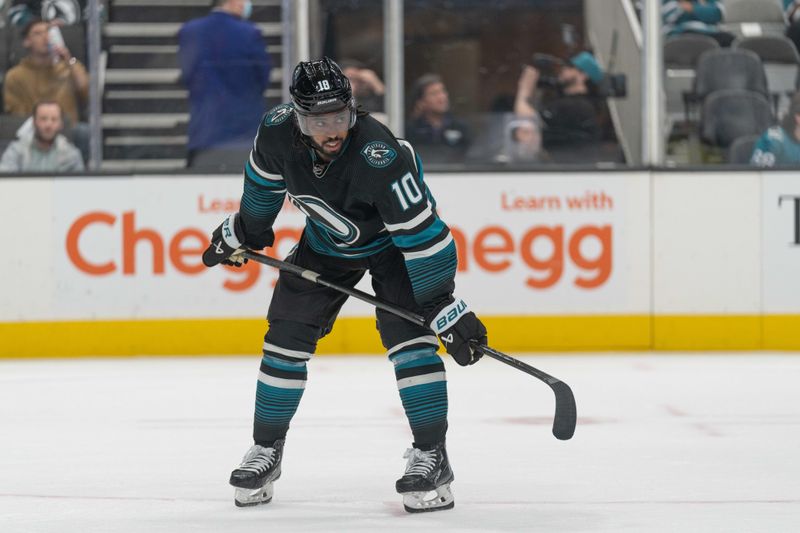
{"type": "Point", "coordinates": [325, 123]}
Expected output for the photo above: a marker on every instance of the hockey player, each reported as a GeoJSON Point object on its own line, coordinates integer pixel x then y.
{"type": "Point", "coordinates": [367, 209]}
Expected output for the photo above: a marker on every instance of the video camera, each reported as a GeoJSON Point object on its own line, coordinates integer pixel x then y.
{"type": "Point", "coordinates": [612, 85]}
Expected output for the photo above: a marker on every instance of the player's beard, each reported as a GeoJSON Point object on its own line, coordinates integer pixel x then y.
{"type": "Point", "coordinates": [326, 153]}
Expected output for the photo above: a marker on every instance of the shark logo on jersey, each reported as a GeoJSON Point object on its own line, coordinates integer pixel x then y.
{"type": "Point", "coordinates": [278, 115]}
{"type": "Point", "coordinates": [379, 154]}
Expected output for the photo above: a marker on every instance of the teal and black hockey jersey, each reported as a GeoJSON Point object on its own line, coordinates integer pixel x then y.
{"type": "Point", "coordinates": [369, 198]}
{"type": "Point", "coordinates": [776, 148]}
{"type": "Point", "coordinates": [704, 17]}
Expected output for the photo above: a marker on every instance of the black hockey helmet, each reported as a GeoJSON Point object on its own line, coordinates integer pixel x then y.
{"type": "Point", "coordinates": [320, 88]}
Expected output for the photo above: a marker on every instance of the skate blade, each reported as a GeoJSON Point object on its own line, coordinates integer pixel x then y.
{"type": "Point", "coordinates": [440, 499]}
{"type": "Point", "coordinates": [249, 498]}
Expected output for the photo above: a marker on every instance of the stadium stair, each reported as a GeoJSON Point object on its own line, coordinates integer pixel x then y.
{"type": "Point", "coordinates": [145, 107]}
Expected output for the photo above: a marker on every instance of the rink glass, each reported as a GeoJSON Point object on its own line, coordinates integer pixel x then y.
{"type": "Point", "coordinates": [478, 48]}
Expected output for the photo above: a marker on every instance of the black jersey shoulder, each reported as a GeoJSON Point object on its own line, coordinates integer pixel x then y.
{"type": "Point", "coordinates": [380, 153]}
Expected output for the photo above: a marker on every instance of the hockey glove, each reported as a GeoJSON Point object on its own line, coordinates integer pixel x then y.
{"type": "Point", "coordinates": [456, 326]}
{"type": "Point", "coordinates": [227, 243]}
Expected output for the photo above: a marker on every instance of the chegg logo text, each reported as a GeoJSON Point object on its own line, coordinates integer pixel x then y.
{"type": "Point", "coordinates": [183, 250]}
{"type": "Point", "coordinates": [495, 249]}
{"type": "Point", "coordinates": [545, 251]}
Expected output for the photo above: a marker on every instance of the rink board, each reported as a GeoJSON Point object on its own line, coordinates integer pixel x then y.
{"type": "Point", "coordinates": [551, 261]}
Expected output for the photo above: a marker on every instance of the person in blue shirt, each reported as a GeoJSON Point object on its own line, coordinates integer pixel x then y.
{"type": "Point", "coordinates": [695, 16]}
{"type": "Point", "coordinates": [779, 146]}
{"type": "Point", "coordinates": [225, 66]}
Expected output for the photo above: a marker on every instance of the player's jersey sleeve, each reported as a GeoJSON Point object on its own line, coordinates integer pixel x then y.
{"type": "Point", "coordinates": [409, 214]}
{"type": "Point", "coordinates": [264, 187]}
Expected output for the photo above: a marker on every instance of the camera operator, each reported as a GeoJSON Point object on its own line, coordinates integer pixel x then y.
{"type": "Point", "coordinates": [566, 96]}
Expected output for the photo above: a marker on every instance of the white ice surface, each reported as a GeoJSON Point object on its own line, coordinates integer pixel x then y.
{"type": "Point", "coordinates": [707, 443]}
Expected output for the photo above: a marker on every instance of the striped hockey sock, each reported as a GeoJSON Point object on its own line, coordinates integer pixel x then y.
{"type": "Point", "coordinates": [281, 383]}
{"type": "Point", "coordinates": [423, 391]}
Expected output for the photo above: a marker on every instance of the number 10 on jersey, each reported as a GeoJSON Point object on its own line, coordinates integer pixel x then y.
{"type": "Point", "coordinates": [407, 191]}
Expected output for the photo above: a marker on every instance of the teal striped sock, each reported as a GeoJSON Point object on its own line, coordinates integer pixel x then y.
{"type": "Point", "coordinates": [423, 390]}
{"type": "Point", "coordinates": [280, 387]}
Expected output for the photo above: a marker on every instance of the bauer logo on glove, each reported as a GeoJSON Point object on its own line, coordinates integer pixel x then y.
{"type": "Point", "coordinates": [458, 327]}
{"type": "Point", "coordinates": [448, 315]}
{"type": "Point", "coordinates": [226, 227]}
{"type": "Point", "coordinates": [226, 244]}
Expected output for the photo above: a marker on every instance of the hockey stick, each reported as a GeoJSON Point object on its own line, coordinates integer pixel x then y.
{"type": "Point", "coordinates": [566, 414]}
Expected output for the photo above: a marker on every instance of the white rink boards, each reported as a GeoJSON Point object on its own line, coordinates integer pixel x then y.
{"type": "Point", "coordinates": [664, 443]}
{"type": "Point", "coordinates": [581, 261]}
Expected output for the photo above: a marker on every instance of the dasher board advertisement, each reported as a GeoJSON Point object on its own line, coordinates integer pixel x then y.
{"type": "Point", "coordinates": [781, 243]}
{"type": "Point", "coordinates": [537, 244]}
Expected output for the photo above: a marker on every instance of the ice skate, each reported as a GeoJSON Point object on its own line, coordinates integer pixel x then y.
{"type": "Point", "coordinates": [425, 486]}
{"type": "Point", "coordinates": [253, 480]}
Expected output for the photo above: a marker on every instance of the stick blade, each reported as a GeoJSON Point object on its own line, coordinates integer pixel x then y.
{"type": "Point", "coordinates": [566, 416]}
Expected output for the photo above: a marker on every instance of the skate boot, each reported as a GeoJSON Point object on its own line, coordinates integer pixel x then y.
{"type": "Point", "coordinates": [426, 484]}
{"type": "Point", "coordinates": [254, 478]}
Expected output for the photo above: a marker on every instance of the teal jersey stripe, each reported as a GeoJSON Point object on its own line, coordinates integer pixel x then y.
{"type": "Point", "coordinates": [261, 208]}
{"type": "Point", "coordinates": [431, 282]}
{"type": "Point", "coordinates": [264, 182]}
{"type": "Point", "coordinates": [260, 202]}
{"type": "Point", "coordinates": [443, 259]}
{"type": "Point", "coordinates": [429, 275]}
{"type": "Point", "coordinates": [428, 234]}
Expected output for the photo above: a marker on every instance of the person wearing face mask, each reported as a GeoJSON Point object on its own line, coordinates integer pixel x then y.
{"type": "Point", "coordinates": [225, 67]}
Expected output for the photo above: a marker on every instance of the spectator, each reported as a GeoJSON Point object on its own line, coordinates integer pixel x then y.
{"type": "Point", "coordinates": [695, 16]}
{"type": "Point", "coordinates": [59, 12]}
{"type": "Point", "coordinates": [779, 146]}
{"type": "Point", "coordinates": [46, 150]}
{"type": "Point", "coordinates": [368, 89]}
{"type": "Point", "coordinates": [792, 11]}
{"type": "Point", "coordinates": [46, 73]}
{"type": "Point", "coordinates": [433, 129]}
{"type": "Point", "coordinates": [225, 66]}
{"type": "Point", "coordinates": [522, 138]}
{"type": "Point", "coordinates": [568, 105]}
{"type": "Point", "coordinates": [522, 142]}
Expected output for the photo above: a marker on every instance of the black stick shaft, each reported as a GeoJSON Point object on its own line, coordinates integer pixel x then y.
{"type": "Point", "coordinates": [566, 415]}
{"type": "Point", "coordinates": [312, 276]}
